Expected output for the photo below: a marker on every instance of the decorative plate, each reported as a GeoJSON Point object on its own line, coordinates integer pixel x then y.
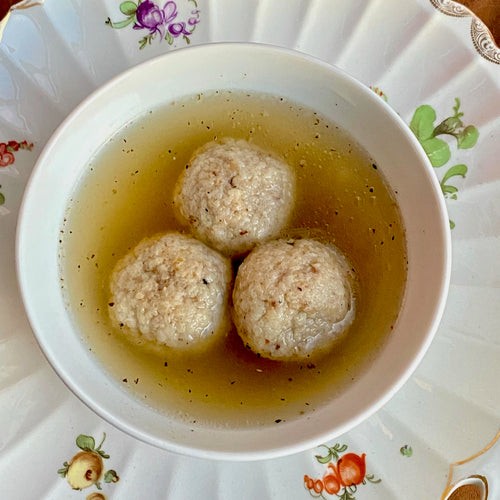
{"type": "Point", "coordinates": [438, 67]}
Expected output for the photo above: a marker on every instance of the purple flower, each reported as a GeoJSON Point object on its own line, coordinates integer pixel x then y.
{"type": "Point", "coordinates": [149, 16]}
{"type": "Point", "coordinates": [176, 29]}
{"type": "Point", "coordinates": [170, 10]}
{"type": "Point", "coordinates": [195, 18]}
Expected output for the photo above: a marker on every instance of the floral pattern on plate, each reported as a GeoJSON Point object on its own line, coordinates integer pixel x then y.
{"type": "Point", "coordinates": [430, 61]}
{"type": "Point", "coordinates": [7, 157]}
{"type": "Point", "coordinates": [164, 22]}
{"type": "Point", "coordinates": [344, 473]}
{"type": "Point", "coordinates": [86, 468]}
{"type": "Point", "coordinates": [437, 149]}
{"type": "Point", "coordinates": [7, 150]}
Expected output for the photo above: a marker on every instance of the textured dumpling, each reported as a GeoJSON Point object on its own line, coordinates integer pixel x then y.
{"type": "Point", "coordinates": [172, 289]}
{"type": "Point", "coordinates": [292, 298]}
{"type": "Point", "coordinates": [234, 195]}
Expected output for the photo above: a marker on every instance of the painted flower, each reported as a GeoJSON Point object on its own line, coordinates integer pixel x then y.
{"type": "Point", "coordinates": [332, 481]}
{"type": "Point", "coordinates": [343, 475]}
{"type": "Point", "coordinates": [352, 468]}
{"type": "Point", "coordinates": [6, 156]}
{"type": "Point", "coordinates": [8, 148]}
{"type": "Point", "coordinates": [176, 29]}
{"type": "Point", "coordinates": [195, 18]}
{"type": "Point", "coordinates": [150, 16]}
{"type": "Point", "coordinates": [95, 496]}
{"type": "Point", "coordinates": [84, 470]}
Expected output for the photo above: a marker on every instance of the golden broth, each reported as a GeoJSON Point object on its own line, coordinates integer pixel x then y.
{"type": "Point", "coordinates": [126, 195]}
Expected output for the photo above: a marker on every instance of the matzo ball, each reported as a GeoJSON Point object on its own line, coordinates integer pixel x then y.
{"type": "Point", "coordinates": [292, 298]}
{"type": "Point", "coordinates": [172, 289]}
{"type": "Point", "coordinates": [234, 195]}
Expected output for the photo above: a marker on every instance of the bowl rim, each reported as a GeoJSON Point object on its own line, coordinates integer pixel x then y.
{"type": "Point", "coordinates": [397, 381]}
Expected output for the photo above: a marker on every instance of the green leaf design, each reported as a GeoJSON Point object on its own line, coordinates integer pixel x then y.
{"type": "Point", "coordinates": [332, 453]}
{"type": "Point", "coordinates": [450, 190]}
{"type": "Point", "coordinates": [103, 454]}
{"type": "Point", "coordinates": [405, 450]}
{"type": "Point", "coordinates": [85, 443]}
{"type": "Point", "coordinates": [2, 199]}
{"type": "Point", "coordinates": [373, 479]}
{"type": "Point", "coordinates": [447, 189]}
{"type": "Point", "coordinates": [340, 448]}
{"type": "Point", "coordinates": [169, 38]}
{"type": "Point", "coordinates": [437, 151]}
{"type": "Point", "coordinates": [128, 8]}
{"type": "Point", "coordinates": [111, 476]}
{"type": "Point", "coordinates": [346, 495]}
{"type": "Point", "coordinates": [422, 123]}
{"type": "Point", "coordinates": [64, 470]}
{"type": "Point", "coordinates": [101, 443]}
{"type": "Point", "coordinates": [145, 40]}
{"type": "Point", "coordinates": [456, 108]}
{"type": "Point", "coordinates": [120, 24]}
{"type": "Point", "coordinates": [324, 459]}
{"type": "Point", "coordinates": [468, 137]}
{"type": "Point", "coordinates": [456, 170]}
{"type": "Point", "coordinates": [448, 126]}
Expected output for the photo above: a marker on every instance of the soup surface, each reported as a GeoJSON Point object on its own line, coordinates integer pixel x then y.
{"type": "Point", "coordinates": [127, 195]}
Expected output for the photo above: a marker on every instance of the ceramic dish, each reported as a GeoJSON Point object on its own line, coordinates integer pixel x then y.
{"type": "Point", "coordinates": [440, 432]}
{"type": "Point", "coordinates": [291, 77]}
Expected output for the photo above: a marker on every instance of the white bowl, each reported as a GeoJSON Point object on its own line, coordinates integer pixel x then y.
{"type": "Point", "coordinates": [302, 79]}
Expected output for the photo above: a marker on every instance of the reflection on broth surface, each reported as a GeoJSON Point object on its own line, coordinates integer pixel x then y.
{"type": "Point", "coordinates": [127, 195]}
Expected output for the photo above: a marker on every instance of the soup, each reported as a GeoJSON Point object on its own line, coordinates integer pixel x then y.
{"type": "Point", "coordinates": [127, 194]}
